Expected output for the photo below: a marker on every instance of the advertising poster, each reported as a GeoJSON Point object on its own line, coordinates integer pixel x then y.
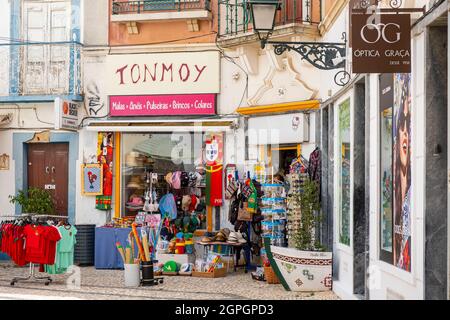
{"type": "Point", "coordinates": [402, 171]}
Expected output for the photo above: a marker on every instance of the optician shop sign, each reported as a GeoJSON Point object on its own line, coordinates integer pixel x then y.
{"type": "Point", "coordinates": [381, 43]}
{"type": "Point", "coordinates": [163, 73]}
{"type": "Point", "coordinates": [162, 105]}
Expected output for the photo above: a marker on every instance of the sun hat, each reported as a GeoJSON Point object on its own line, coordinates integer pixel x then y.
{"type": "Point", "coordinates": [170, 266]}
{"type": "Point", "coordinates": [135, 183]}
{"type": "Point", "coordinates": [232, 238]}
{"type": "Point", "coordinates": [240, 238]}
{"type": "Point", "coordinates": [186, 267]}
{"type": "Point", "coordinates": [133, 159]}
{"type": "Point", "coordinates": [220, 236]}
{"type": "Point", "coordinates": [168, 178]}
{"type": "Point", "coordinates": [136, 202]}
{"type": "Point", "coordinates": [176, 180]}
{"type": "Point", "coordinates": [206, 239]}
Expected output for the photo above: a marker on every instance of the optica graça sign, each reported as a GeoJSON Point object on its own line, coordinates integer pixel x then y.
{"type": "Point", "coordinates": [381, 43]}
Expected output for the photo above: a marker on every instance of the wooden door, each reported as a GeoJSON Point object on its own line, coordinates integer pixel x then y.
{"type": "Point", "coordinates": [48, 169]}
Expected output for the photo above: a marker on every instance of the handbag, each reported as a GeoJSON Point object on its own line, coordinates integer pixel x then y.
{"type": "Point", "coordinates": [234, 211]}
{"type": "Point", "coordinates": [243, 213]}
{"type": "Point", "coordinates": [231, 189]}
{"type": "Point", "coordinates": [246, 190]}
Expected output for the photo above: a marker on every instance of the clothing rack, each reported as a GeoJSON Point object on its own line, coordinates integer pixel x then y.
{"type": "Point", "coordinates": [32, 274]}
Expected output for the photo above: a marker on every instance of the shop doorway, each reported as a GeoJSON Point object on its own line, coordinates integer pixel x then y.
{"type": "Point", "coordinates": [47, 168]}
{"type": "Point", "coordinates": [281, 156]}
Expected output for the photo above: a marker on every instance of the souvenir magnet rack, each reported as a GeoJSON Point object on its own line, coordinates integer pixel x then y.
{"type": "Point", "coordinates": [32, 274]}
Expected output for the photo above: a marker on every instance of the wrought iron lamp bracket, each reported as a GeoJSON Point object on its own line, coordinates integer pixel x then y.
{"type": "Point", "coordinates": [321, 55]}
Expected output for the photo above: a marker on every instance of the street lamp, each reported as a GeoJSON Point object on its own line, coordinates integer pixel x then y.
{"type": "Point", "coordinates": [263, 14]}
{"type": "Point", "coordinates": [322, 55]}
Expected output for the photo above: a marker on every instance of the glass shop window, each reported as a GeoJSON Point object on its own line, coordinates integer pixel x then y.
{"type": "Point", "coordinates": [386, 138]}
{"type": "Point", "coordinates": [395, 175]}
{"type": "Point", "coordinates": [149, 159]}
{"type": "Point", "coordinates": [344, 169]}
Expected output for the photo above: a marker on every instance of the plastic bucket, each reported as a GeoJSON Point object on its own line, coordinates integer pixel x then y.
{"type": "Point", "coordinates": [132, 275]}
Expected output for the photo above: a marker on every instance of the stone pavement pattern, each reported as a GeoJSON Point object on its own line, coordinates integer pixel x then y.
{"type": "Point", "coordinates": [108, 285]}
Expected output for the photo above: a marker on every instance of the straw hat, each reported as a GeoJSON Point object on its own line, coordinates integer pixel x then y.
{"type": "Point", "coordinates": [168, 178]}
{"type": "Point", "coordinates": [135, 183]}
{"type": "Point", "coordinates": [133, 159]}
{"type": "Point", "coordinates": [220, 236]}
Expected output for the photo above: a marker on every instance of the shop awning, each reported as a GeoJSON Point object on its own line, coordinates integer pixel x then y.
{"type": "Point", "coordinates": [280, 108]}
{"type": "Point", "coordinates": [163, 125]}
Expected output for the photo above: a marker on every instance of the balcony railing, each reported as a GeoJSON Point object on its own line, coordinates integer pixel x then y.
{"type": "Point", "coordinates": [40, 69]}
{"type": "Point", "coordinates": [235, 17]}
{"type": "Point", "coordinates": [124, 7]}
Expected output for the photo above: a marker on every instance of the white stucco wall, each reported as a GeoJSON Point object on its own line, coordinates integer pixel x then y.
{"type": "Point", "coordinates": [95, 22]}
{"type": "Point", "coordinates": [387, 281]}
{"type": "Point", "coordinates": [4, 50]}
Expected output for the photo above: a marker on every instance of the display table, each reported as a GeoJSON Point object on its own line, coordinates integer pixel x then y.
{"type": "Point", "coordinates": [178, 258]}
{"type": "Point", "coordinates": [226, 249]}
{"type": "Point", "coordinates": [106, 254]}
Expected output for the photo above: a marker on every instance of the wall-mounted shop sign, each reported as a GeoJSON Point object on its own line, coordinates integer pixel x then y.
{"type": "Point", "coordinates": [162, 105]}
{"type": "Point", "coordinates": [381, 43]}
{"type": "Point", "coordinates": [66, 115]}
{"type": "Point", "coordinates": [163, 73]}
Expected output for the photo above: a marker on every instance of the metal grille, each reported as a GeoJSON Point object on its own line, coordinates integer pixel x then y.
{"type": "Point", "coordinates": [235, 17]}
{"type": "Point", "coordinates": [122, 7]}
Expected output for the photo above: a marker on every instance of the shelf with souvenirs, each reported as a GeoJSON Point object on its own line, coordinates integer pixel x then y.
{"type": "Point", "coordinates": [298, 173]}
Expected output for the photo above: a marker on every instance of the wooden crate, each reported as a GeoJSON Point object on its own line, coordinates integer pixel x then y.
{"type": "Point", "coordinates": [217, 273]}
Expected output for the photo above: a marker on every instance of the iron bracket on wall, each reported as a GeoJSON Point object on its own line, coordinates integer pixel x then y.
{"type": "Point", "coordinates": [322, 55]}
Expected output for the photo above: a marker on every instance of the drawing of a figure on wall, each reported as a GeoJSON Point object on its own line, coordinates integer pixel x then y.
{"type": "Point", "coordinates": [402, 171]}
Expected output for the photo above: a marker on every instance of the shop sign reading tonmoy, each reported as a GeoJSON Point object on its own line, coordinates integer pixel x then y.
{"type": "Point", "coordinates": [163, 105]}
{"type": "Point", "coordinates": [163, 73]}
{"type": "Point", "coordinates": [381, 43]}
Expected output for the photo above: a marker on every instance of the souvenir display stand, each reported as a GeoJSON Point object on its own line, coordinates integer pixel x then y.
{"type": "Point", "coordinates": [275, 214]}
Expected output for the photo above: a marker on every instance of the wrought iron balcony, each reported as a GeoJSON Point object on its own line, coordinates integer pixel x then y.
{"type": "Point", "coordinates": [235, 16]}
{"type": "Point", "coordinates": [123, 7]}
{"type": "Point", "coordinates": [32, 69]}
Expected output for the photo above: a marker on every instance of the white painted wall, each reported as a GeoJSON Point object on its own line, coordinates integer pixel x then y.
{"type": "Point", "coordinates": [95, 22]}
{"type": "Point", "coordinates": [387, 281]}
{"type": "Point", "coordinates": [5, 14]}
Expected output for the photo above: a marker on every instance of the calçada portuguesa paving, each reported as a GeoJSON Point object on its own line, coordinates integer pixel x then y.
{"type": "Point", "coordinates": [108, 285]}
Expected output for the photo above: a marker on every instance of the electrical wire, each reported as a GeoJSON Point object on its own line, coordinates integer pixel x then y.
{"type": "Point", "coordinates": [167, 41]}
{"type": "Point", "coordinates": [37, 117]}
{"type": "Point", "coordinates": [231, 59]}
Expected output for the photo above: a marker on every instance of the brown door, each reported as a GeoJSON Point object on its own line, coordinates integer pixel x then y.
{"type": "Point", "coordinates": [48, 169]}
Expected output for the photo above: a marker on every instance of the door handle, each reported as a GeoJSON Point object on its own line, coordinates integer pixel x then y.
{"type": "Point", "coordinates": [47, 170]}
{"type": "Point", "coordinates": [53, 169]}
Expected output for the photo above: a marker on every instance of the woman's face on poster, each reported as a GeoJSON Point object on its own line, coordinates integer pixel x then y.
{"type": "Point", "coordinates": [404, 146]}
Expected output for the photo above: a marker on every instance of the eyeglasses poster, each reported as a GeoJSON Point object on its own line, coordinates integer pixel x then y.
{"type": "Point", "coordinates": [402, 171]}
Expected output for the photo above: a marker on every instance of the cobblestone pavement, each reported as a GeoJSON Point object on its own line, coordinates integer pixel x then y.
{"type": "Point", "coordinates": [108, 284]}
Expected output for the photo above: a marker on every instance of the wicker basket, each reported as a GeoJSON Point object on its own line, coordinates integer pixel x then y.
{"type": "Point", "coordinates": [270, 275]}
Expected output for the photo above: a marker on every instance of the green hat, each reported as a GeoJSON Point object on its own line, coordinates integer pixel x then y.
{"type": "Point", "coordinates": [170, 266]}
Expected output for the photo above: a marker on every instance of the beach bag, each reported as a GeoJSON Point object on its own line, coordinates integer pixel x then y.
{"type": "Point", "coordinates": [243, 213]}
{"type": "Point", "coordinates": [233, 211]}
{"type": "Point", "coordinates": [168, 207]}
{"type": "Point", "coordinates": [232, 188]}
